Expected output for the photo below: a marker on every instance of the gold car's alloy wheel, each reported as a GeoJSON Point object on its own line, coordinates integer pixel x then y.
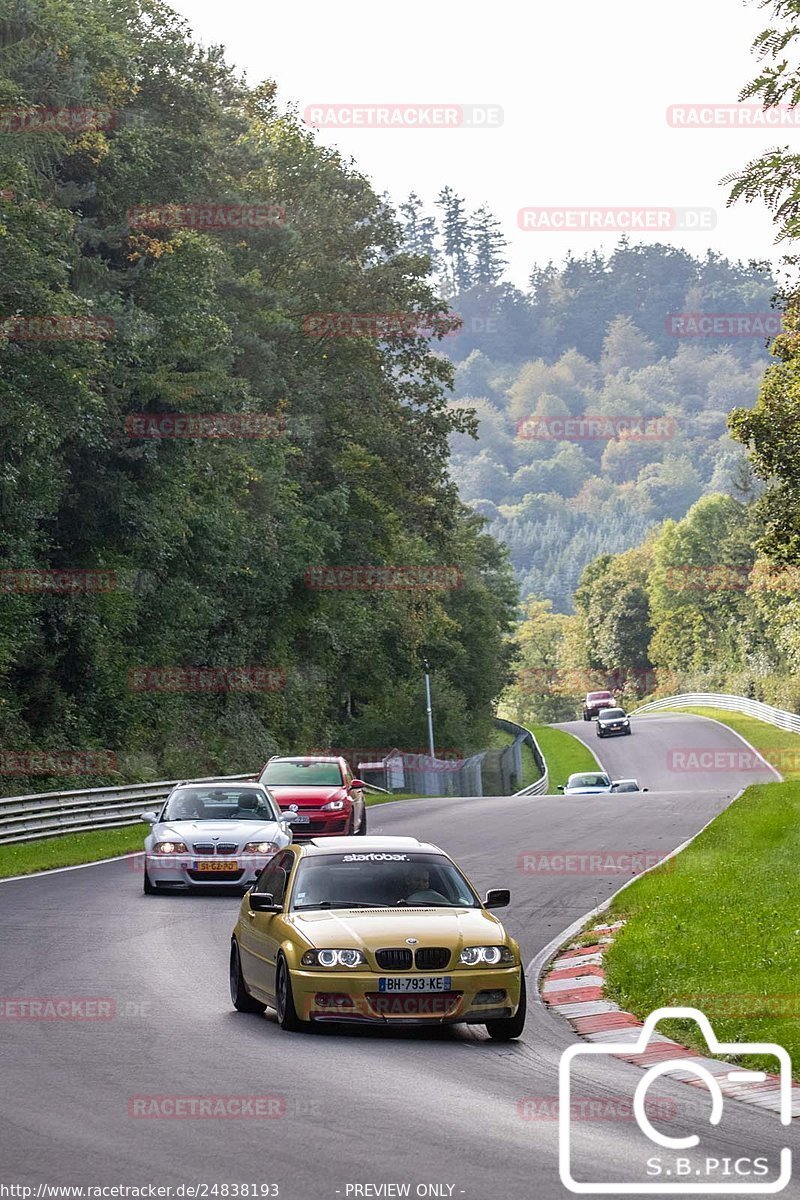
{"type": "Point", "coordinates": [287, 1014]}
{"type": "Point", "coordinates": [242, 1000]}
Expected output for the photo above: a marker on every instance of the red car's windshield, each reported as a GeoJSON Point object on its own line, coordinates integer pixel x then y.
{"type": "Point", "coordinates": [302, 774]}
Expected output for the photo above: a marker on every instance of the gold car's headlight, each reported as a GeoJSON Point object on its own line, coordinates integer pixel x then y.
{"type": "Point", "coordinates": [485, 956]}
{"type": "Point", "coordinates": [333, 958]}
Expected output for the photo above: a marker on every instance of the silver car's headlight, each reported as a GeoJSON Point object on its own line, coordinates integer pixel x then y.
{"type": "Point", "coordinates": [333, 958]}
{"type": "Point", "coordinates": [170, 848]}
{"type": "Point", "coordinates": [489, 956]}
{"type": "Point", "coordinates": [261, 848]}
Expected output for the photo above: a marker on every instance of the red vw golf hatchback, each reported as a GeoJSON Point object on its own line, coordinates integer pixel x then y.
{"type": "Point", "coordinates": [319, 794]}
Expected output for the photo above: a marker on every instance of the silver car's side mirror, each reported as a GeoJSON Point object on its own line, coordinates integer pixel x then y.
{"type": "Point", "coordinates": [285, 819]}
{"type": "Point", "coordinates": [150, 817]}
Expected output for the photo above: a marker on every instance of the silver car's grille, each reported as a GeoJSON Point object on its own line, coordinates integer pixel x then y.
{"type": "Point", "coordinates": [226, 848]}
{"type": "Point", "coordinates": [203, 848]}
{"type": "Point", "coordinates": [210, 848]}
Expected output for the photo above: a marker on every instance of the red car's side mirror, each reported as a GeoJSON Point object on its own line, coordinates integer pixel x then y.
{"type": "Point", "coordinates": [357, 783]}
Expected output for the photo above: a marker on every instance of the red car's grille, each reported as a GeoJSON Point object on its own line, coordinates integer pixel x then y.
{"type": "Point", "coordinates": [316, 828]}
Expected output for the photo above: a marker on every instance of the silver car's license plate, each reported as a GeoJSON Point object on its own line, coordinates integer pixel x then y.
{"type": "Point", "coordinates": [414, 983]}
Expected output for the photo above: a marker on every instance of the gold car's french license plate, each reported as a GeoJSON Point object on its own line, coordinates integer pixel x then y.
{"type": "Point", "coordinates": [217, 864]}
{"type": "Point", "coordinates": [414, 983]}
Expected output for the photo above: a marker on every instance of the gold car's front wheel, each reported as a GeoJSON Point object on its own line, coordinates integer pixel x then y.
{"type": "Point", "coordinates": [505, 1029]}
{"type": "Point", "coordinates": [242, 1000]}
{"type": "Point", "coordinates": [284, 1000]}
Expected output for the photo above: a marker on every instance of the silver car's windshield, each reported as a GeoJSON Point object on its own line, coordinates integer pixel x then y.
{"type": "Point", "coordinates": [380, 880]}
{"type": "Point", "coordinates": [220, 804]}
{"type": "Point", "coordinates": [583, 781]}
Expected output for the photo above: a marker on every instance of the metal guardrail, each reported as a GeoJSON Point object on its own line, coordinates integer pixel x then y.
{"type": "Point", "coordinates": [540, 788]}
{"type": "Point", "coordinates": [27, 818]}
{"type": "Point", "coordinates": [47, 814]}
{"type": "Point", "coordinates": [751, 708]}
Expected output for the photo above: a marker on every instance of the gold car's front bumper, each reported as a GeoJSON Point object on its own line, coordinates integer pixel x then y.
{"type": "Point", "coordinates": [476, 995]}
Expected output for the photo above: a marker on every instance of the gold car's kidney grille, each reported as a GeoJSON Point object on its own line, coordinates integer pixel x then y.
{"type": "Point", "coordinates": [432, 958]}
{"type": "Point", "coordinates": [395, 959]}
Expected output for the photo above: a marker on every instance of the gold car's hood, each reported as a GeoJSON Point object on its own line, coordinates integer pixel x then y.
{"type": "Point", "coordinates": [377, 928]}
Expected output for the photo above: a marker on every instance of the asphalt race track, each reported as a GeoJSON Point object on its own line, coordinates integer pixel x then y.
{"type": "Point", "coordinates": [359, 1106]}
{"type": "Point", "coordinates": [676, 752]}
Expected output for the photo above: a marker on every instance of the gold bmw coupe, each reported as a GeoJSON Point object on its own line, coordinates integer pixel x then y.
{"type": "Point", "coordinates": [375, 930]}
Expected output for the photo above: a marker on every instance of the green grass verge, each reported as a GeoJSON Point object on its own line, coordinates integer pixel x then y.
{"type": "Point", "coordinates": [564, 754]}
{"type": "Point", "coordinates": [718, 928]}
{"type": "Point", "coordinates": [377, 798]}
{"type": "Point", "coordinates": [69, 849]}
{"type": "Point", "coordinates": [778, 746]}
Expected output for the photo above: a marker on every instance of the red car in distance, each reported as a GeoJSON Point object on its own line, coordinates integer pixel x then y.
{"type": "Point", "coordinates": [319, 793]}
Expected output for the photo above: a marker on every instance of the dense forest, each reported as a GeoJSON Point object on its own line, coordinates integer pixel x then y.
{"type": "Point", "coordinates": [709, 601]}
{"type": "Point", "coordinates": [131, 283]}
{"type": "Point", "coordinates": [591, 337]}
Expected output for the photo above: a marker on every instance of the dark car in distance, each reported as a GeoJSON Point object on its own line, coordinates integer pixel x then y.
{"type": "Point", "coordinates": [613, 722]}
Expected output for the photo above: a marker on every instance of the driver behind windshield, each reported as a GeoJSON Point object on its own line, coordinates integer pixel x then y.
{"type": "Point", "coordinates": [418, 887]}
{"type": "Point", "coordinates": [186, 806]}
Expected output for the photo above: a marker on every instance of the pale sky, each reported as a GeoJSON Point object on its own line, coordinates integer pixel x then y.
{"type": "Point", "coordinates": [584, 88]}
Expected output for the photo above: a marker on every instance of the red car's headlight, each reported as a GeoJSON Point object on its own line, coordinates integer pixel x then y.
{"type": "Point", "coordinates": [333, 806]}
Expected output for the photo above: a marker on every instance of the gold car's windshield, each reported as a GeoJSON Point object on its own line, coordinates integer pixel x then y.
{"type": "Point", "coordinates": [378, 879]}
